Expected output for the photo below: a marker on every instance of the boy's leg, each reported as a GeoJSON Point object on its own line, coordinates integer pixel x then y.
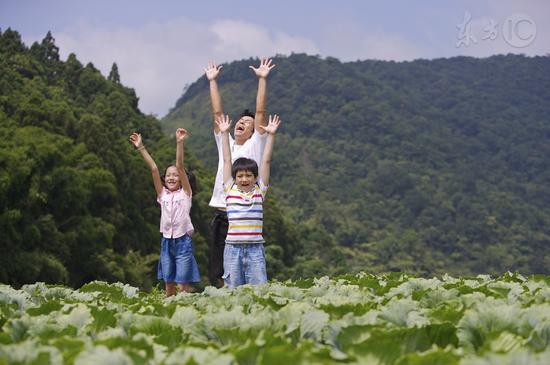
{"type": "Point", "coordinates": [254, 264]}
{"type": "Point", "coordinates": [233, 266]}
{"type": "Point", "coordinates": [217, 243]}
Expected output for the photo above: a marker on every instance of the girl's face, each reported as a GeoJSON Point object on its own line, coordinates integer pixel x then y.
{"type": "Point", "coordinates": [172, 178]}
{"type": "Point", "coordinates": [245, 180]}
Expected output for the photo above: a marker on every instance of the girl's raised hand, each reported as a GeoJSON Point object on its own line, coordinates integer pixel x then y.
{"type": "Point", "coordinates": [135, 139]}
{"type": "Point", "coordinates": [181, 134]}
{"type": "Point", "coordinates": [223, 123]}
{"type": "Point", "coordinates": [272, 125]}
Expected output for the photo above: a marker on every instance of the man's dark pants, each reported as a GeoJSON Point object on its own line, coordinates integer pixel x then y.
{"type": "Point", "coordinates": [219, 227]}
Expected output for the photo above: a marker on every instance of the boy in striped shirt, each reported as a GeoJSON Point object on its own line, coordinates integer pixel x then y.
{"type": "Point", "coordinates": [245, 189]}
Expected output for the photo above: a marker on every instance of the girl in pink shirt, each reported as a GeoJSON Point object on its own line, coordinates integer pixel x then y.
{"type": "Point", "coordinates": [177, 265]}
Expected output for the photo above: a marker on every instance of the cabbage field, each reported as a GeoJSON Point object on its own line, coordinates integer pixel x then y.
{"type": "Point", "coordinates": [353, 319]}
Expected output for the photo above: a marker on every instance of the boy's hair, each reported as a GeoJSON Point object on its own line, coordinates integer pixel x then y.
{"type": "Point", "coordinates": [244, 164]}
{"type": "Point", "coordinates": [247, 113]}
{"type": "Point", "coordinates": [190, 176]}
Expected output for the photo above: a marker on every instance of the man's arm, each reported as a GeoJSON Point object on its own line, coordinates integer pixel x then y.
{"type": "Point", "coordinates": [271, 129]}
{"type": "Point", "coordinates": [184, 180]}
{"type": "Point", "coordinates": [212, 72]}
{"type": "Point", "coordinates": [262, 72]}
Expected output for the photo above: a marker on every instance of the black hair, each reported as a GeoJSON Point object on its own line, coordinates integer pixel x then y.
{"type": "Point", "coordinates": [247, 113]}
{"type": "Point", "coordinates": [244, 164]}
{"type": "Point", "coordinates": [190, 176]}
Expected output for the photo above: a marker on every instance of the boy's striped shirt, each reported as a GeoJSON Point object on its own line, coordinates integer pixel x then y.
{"type": "Point", "coordinates": [245, 213]}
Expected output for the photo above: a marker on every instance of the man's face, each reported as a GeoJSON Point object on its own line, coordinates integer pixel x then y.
{"type": "Point", "coordinates": [244, 128]}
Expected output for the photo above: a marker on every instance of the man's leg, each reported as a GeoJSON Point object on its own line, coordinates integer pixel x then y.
{"type": "Point", "coordinates": [217, 243]}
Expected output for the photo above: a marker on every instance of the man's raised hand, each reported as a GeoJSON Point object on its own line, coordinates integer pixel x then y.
{"type": "Point", "coordinates": [265, 67]}
{"type": "Point", "coordinates": [212, 71]}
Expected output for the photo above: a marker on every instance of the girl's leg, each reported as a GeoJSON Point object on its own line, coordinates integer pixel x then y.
{"type": "Point", "coordinates": [185, 288]}
{"type": "Point", "coordinates": [187, 271]}
{"type": "Point", "coordinates": [170, 289]}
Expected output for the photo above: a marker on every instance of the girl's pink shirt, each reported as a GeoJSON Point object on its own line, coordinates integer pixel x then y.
{"type": "Point", "coordinates": [174, 217]}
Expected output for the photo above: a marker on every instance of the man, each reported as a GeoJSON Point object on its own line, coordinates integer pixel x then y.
{"type": "Point", "coordinates": [248, 141]}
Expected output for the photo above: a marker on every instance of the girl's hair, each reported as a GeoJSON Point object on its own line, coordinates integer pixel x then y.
{"type": "Point", "coordinates": [244, 164]}
{"type": "Point", "coordinates": [190, 176]}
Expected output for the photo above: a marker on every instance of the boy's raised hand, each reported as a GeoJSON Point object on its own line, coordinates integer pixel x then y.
{"type": "Point", "coordinates": [212, 71]}
{"type": "Point", "coordinates": [135, 139]}
{"type": "Point", "coordinates": [272, 125]}
{"type": "Point", "coordinates": [181, 134]}
{"type": "Point", "coordinates": [223, 123]}
{"type": "Point", "coordinates": [265, 67]}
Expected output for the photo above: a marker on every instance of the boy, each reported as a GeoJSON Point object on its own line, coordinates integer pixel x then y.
{"type": "Point", "coordinates": [245, 187]}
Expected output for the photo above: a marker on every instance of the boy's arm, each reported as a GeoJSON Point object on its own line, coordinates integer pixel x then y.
{"type": "Point", "coordinates": [223, 124]}
{"type": "Point", "coordinates": [262, 72]}
{"type": "Point", "coordinates": [184, 180]}
{"type": "Point", "coordinates": [271, 129]}
{"type": "Point", "coordinates": [212, 72]}
{"type": "Point", "coordinates": [135, 138]}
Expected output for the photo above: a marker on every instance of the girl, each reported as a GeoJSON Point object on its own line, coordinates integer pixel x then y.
{"type": "Point", "coordinates": [177, 265]}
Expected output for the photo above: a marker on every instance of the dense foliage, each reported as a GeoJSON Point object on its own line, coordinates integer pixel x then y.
{"type": "Point", "coordinates": [77, 202]}
{"type": "Point", "coordinates": [353, 319]}
{"type": "Point", "coordinates": [425, 166]}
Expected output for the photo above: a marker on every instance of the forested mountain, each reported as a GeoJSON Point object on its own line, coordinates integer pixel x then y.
{"type": "Point", "coordinates": [425, 166]}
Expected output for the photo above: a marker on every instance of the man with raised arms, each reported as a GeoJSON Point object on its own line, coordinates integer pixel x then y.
{"type": "Point", "coordinates": [248, 141]}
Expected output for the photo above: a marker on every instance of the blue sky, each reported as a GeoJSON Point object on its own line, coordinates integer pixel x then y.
{"type": "Point", "coordinates": [162, 46]}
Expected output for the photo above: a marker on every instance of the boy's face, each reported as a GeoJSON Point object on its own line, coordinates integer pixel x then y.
{"type": "Point", "coordinates": [244, 128]}
{"type": "Point", "coordinates": [172, 178]}
{"type": "Point", "coordinates": [245, 180]}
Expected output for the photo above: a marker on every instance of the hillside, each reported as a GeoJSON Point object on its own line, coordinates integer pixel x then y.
{"type": "Point", "coordinates": [77, 201]}
{"type": "Point", "coordinates": [424, 166]}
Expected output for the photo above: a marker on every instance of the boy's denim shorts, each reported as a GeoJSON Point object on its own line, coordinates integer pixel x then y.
{"type": "Point", "coordinates": [244, 264]}
{"type": "Point", "coordinates": [177, 263]}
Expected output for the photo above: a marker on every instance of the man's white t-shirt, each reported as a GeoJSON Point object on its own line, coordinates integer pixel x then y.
{"type": "Point", "coordinates": [253, 148]}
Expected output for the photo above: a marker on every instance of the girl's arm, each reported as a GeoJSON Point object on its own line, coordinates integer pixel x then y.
{"type": "Point", "coordinates": [135, 138]}
{"type": "Point", "coordinates": [223, 125]}
{"type": "Point", "coordinates": [271, 129]}
{"type": "Point", "coordinates": [184, 180]}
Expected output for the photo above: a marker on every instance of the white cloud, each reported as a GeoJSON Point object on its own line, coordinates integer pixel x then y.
{"type": "Point", "coordinates": [350, 41]}
{"type": "Point", "coordinates": [239, 40]}
{"type": "Point", "coordinates": [158, 59]}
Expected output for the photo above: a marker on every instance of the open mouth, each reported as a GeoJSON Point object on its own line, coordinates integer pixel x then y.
{"type": "Point", "coordinates": [240, 128]}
